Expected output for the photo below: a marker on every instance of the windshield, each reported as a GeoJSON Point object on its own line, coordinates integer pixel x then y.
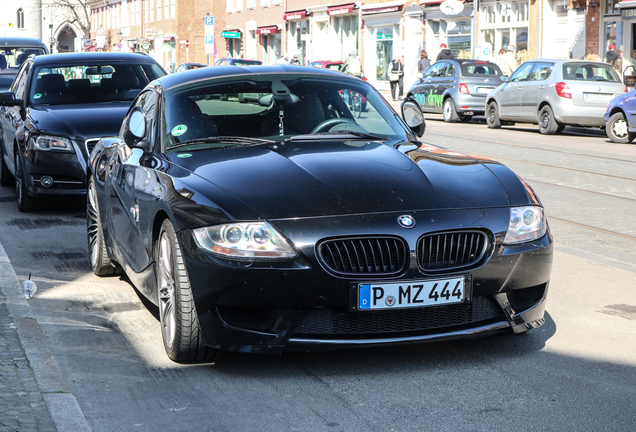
{"type": "Point", "coordinates": [14, 57]}
{"type": "Point", "coordinates": [75, 84]}
{"type": "Point", "coordinates": [303, 105]}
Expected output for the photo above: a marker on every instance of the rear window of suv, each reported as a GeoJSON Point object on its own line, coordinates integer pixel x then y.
{"type": "Point", "coordinates": [582, 71]}
{"type": "Point", "coordinates": [480, 69]}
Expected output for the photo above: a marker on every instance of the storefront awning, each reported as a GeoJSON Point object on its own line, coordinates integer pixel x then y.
{"type": "Point", "coordinates": [340, 9]}
{"type": "Point", "coordinates": [267, 30]}
{"type": "Point", "coordinates": [435, 2]}
{"type": "Point", "coordinates": [386, 7]}
{"type": "Point", "coordinates": [380, 10]}
{"type": "Point", "coordinates": [295, 15]}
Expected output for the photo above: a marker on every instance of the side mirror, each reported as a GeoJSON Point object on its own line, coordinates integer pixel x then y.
{"type": "Point", "coordinates": [7, 98]}
{"type": "Point", "coordinates": [413, 116]}
{"type": "Point", "coordinates": [504, 78]}
{"type": "Point", "coordinates": [134, 127]}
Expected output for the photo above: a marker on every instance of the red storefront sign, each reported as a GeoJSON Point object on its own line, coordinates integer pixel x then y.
{"type": "Point", "coordinates": [341, 9]}
{"type": "Point", "coordinates": [267, 30]}
{"type": "Point", "coordinates": [295, 15]}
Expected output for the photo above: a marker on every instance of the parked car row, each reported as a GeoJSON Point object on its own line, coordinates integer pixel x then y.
{"type": "Point", "coordinates": [369, 237]}
{"type": "Point", "coordinates": [550, 93]}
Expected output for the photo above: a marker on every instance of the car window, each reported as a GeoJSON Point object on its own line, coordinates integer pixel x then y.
{"type": "Point", "coordinates": [86, 83]}
{"type": "Point", "coordinates": [450, 71]}
{"type": "Point", "coordinates": [246, 108]}
{"type": "Point", "coordinates": [541, 72]}
{"type": "Point", "coordinates": [432, 71]}
{"type": "Point", "coordinates": [19, 84]}
{"type": "Point", "coordinates": [14, 57]}
{"type": "Point", "coordinates": [581, 71]}
{"type": "Point", "coordinates": [522, 73]}
{"type": "Point", "coordinates": [480, 69]}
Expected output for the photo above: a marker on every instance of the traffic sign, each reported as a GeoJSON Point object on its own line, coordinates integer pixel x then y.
{"type": "Point", "coordinates": [100, 31]}
{"type": "Point", "coordinates": [208, 22]}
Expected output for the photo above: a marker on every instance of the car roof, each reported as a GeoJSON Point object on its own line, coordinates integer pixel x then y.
{"type": "Point", "coordinates": [22, 42]}
{"type": "Point", "coordinates": [108, 57]}
{"type": "Point", "coordinates": [174, 80]}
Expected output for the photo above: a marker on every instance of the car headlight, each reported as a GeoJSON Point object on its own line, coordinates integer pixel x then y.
{"type": "Point", "coordinates": [526, 224]}
{"type": "Point", "coordinates": [248, 241]}
{"type": "Point", "coordinates": [53, 143]}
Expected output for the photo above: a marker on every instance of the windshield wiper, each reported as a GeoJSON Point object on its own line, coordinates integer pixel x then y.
{"type": "Point", "coordinates": [223, 139]}
{"type": "Point", "coordinates": [336, 135]}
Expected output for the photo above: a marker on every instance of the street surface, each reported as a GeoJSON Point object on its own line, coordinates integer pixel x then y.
{"type": "Point", "coordinates": [576, 373]}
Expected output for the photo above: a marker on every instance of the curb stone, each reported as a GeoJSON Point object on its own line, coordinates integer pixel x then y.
{"type": "Point", "coordinates": [63, 408]}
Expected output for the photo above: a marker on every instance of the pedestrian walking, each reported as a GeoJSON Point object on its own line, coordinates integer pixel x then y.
{"type": "Point", "coordinates": [396, 78]}
{"type": "Point", "coordinates": [508, 61]}
{"type": "Point", "coordinates": [444, 53]}
{"type": "Point", "coordinates": [283, 60]}
{"type": "Point", "coordinates": [611, 55]}
{"type": "Point", "coordinates": [294, 60]}
{"type": "Point", "coordinates": [618, 62]}
{"type": "Point", "coordinates": [352, 65]}
{"type": "Point", "coordinates": [424, 62]}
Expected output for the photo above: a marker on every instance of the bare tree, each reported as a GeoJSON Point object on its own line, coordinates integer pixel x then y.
{"type": "Point", "coordinates": [75, 12]}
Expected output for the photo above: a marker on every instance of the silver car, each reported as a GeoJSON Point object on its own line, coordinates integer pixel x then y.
{"type": "Point", "coordinates": [553, 94]}
{"type": "Point", "coordinates": [456, 88]}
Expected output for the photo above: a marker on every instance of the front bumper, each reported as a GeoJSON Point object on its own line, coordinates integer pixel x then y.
{"type": "Point", "coordinates": [49, 174]}
{"type": "Point", "coordinates": [299, 305]}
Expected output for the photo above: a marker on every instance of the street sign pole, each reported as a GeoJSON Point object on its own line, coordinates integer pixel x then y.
{"type": "Point", "coordinates": [208, 23]}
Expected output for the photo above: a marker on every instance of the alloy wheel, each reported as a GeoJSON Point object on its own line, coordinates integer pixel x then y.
{"type": "Point", "coordinates": [166, 290]}
{"type": "Point", "coordinates": [92, 228]}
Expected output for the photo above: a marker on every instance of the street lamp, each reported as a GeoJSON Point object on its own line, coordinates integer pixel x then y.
{"type": "Point", "coordinates": [120, 34]}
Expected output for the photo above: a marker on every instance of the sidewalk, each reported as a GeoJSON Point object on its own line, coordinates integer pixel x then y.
{"type": "Point", "coordinates": [34, 395]}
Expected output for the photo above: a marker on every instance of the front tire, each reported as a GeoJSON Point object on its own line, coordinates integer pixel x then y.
{"type": "Point", "coordinates": [617, 129]}
{"type": "Point", "coordinates": [182, 337]}
{"type": "Point", "coordinates": [100, 262]}
{"type": "Point", "coordinates": [492, 116]}
{"type": "Point", "coordinates": [448, 110]}
{"type": "Point", "coordinates": [547, 123]}
{"type": "Point", "coordinates": [26, 204]}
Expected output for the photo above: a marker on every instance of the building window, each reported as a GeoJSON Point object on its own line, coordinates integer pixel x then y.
{"type": "Point", "coordinates": [503, 23]}
{"type": "Point", "coordinates": [250, 4]}
{"type": "Point", "coordinates": [611, 7]}
{"type": "Point", "coordinates": [20, 18]}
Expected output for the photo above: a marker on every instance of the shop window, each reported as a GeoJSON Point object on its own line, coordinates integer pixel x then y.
{"type": "Point", "coordinates": [611, 7]}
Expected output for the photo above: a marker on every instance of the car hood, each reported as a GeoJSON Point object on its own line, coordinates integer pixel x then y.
{"type": "Point", "coordinates": [81, 121]}
{"type": "Point", "coordinates": [311, 179]}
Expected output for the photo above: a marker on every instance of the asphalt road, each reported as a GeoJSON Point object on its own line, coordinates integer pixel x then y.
{"type": "Point", "coordinates": [576, 373]}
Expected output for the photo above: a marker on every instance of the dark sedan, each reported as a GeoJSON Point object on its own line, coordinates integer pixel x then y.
{"type": "Point", "coordinates": [55, 110]}
{"type": "Point", "coordinates": [236, 62]}
{"type": "Point", "coordinates": [456, 88]}
{"type": "Point", "coordinates": [13, 52]}
{"type": "Point", "coordinates": [286, 222]}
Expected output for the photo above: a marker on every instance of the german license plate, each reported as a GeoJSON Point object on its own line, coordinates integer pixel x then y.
{"type": "Point", "coordinates": [606, 97]}
{"type": "Point", "coordinates": [484, 89]}
{"type": "Point", "coordinates": [411, 294]}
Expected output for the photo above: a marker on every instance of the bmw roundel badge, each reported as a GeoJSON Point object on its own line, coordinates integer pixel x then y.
{"type": "Point", "coordinates": [406, 221]}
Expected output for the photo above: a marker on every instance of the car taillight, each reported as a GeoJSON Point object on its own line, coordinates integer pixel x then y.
{"type": "Point", "coordinates": [463, 88]}
{"type": "Point", "coordinates": [563, 90]}
{"type": "Point", "coordinates": [626, 89]}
